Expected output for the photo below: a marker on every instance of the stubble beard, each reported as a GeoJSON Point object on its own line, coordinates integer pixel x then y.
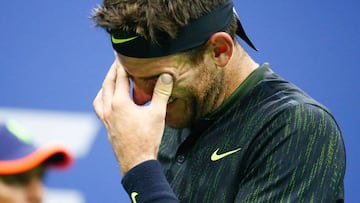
{"type": "Point", "coordinates": [210, 98]}
{"type": "Point", "coordinates": [205, 96]}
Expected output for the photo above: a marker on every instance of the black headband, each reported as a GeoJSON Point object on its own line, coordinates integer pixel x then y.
{"type": "Point", "coordinates": [194, 34]}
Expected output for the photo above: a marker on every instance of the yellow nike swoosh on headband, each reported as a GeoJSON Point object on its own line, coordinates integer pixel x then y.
{"type": "Point", "coordinates": [119, 41]}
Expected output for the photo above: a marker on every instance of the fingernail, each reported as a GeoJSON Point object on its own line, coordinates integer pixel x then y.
{"type": "Point", "coordinates": [166, 78]}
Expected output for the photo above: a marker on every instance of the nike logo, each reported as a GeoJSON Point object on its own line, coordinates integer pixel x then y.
{"type": "Point", "coordinates": [120, 41]}
{"type": "Point", "coordinates": [215, 156]}
{"type": "Point", "coordinates": [133, 197]}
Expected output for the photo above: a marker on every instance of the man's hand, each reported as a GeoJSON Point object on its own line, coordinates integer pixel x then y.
{"type": "Point", "coordinates": [134, 131]}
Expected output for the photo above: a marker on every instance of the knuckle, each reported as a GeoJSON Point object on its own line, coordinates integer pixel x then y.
{"type": "Point", "coordinates": [107, 116]}
{"type": "Point", "coordinates": [116, 103]}
{"type": "Point", "coordinates": [95, 103]}
{"type": "Point", "coordinates": [162, 92]}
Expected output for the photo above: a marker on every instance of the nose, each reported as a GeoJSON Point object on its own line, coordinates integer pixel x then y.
{"type": "Point", "coordinates": [35, 191]}
{"type": "Point", "coordinates": [142, 91]}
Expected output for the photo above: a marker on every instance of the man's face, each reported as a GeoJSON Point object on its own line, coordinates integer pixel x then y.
{"type": "Point", "coordinates": [196, 87]}
{"type": "Point", "coordinates": [25, 187]}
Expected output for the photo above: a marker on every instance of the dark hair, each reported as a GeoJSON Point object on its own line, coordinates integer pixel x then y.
{"type": "Point", "coordinates": [149, 17]}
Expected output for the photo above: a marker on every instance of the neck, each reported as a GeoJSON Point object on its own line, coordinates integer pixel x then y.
{"type": "Point", "coordinates": [240, 66]}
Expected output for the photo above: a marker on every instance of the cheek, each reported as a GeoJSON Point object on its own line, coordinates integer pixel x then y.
{"type": "Point", "coordinates": [192, 87]}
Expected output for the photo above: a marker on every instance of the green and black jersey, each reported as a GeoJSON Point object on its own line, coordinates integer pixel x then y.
{"type": "Point", "coordinates": [269, 142]}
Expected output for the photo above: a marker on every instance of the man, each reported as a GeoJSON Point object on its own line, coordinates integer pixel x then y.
{"type": "Point", "coordinates": [217, 127]}
{"type": "Point", "coordinates": [22, 166]}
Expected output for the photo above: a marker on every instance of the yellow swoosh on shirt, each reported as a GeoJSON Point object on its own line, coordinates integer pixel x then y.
{"type": "Point", "coordinates": [215, 156]}
{"type": "Point", "coordinates": [133, 197]}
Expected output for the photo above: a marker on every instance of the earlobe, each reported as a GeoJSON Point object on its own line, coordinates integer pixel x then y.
{"type": "Point", "coordinates": [222, 47]}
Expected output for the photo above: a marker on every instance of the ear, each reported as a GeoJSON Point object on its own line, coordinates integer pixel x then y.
{"type": "Point", "coordinates": [222, 47]}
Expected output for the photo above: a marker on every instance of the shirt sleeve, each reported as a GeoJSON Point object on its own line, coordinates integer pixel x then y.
{"type": "Point", "coordinates": [299, 157]}
{"type": "Point", "coordinates": [146, 183]}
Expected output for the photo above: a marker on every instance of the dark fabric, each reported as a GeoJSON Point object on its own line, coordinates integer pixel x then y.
{"type": "Point", "coordinates": [269, 142]}
{"type": "Point", "coordinates": [196, 33]}
{"type": "Point", "coordinates": [286, 147]}
{"type": "Point", "coordinates": [147, 183]}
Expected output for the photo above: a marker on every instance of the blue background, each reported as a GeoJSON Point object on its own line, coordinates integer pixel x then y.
{"type": "Point", "coordinates": [52, 58]}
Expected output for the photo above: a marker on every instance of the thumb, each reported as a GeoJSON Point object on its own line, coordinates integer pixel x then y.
{"type": "Point", "coordinates": [162, 90]}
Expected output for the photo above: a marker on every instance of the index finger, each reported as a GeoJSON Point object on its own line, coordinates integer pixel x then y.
{"type": "Point", "coordinates": [122, 87]}
{"type": "Point", "coordinates": [108, 88]}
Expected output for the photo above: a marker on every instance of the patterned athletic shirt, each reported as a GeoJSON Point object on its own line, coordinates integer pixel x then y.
{"type": "Point", "coordinates": [269, 142]}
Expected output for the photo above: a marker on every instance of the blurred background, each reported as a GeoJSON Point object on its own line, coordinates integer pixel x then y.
{"type": "Point", "coordinates": [53, 61]}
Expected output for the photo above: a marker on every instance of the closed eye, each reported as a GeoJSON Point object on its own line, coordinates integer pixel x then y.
{"type": "Point", "coordinates": [145, 79]}
{"type": "Point", "coordinates": [155, 77]}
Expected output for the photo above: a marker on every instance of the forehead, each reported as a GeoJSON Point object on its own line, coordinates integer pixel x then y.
{"type": "Point", "coordinates": [146, 66]}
